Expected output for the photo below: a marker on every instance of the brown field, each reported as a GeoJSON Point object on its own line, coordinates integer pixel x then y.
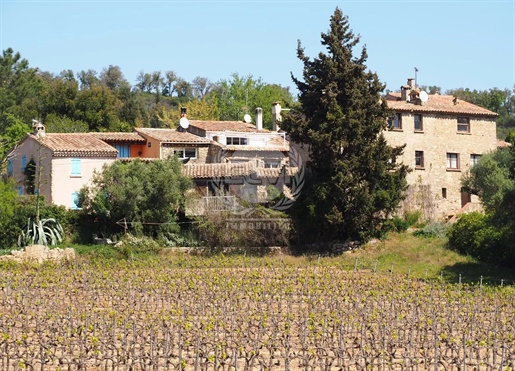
{"type": "Point", "coordinates": [200, 314]}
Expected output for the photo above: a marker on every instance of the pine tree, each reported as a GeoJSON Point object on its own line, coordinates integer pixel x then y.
{"type": "Point", "coordinates": [354, 180]}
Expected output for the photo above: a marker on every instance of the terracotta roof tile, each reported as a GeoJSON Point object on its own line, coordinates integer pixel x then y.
{"type": "Point", "coordinates": [438, 103]}
{"type": "Point", "coordinates": [197, 171]}
{"type": "Point", "coordinates": [271, 173]}
{"type": "Point", "coordinates": [172, 136]}
{"type": "Point", "coordinates": [76, 144]}
{"type": "Point", "coordinates": [235, 126]}
{"type": "Point", "coordinates": [120, 137]}
{"type": "Point", "coordinates": [502, 143]}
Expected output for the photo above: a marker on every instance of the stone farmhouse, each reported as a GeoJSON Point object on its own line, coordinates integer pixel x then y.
{"type": "Point", "coordinates": [444, 137]}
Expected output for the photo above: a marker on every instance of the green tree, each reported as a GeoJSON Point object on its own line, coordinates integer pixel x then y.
{"type": "Point", "coordinates": [490, 178]}
{"type": "Point", "coordinates": [19, 88]}
{"type": "Point", "coordinates": [147, 195]}
{"type": "Point", "coordinates": [492, 234]}
{"type": "Point", "coordinates": [8, 198]}
{"type": "Point", "coordinates": [355, 182]}
{"type": "Point", "coordinates": [239, 95]}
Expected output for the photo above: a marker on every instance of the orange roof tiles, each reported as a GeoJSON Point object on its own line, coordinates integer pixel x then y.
{"type": "Point", "coordinates": [172, 136]}
{"type": "Point", "coordinates": [502, 143]}
{"type": "Point", "coordinates": [76, 144]}
{"type": "Point", "coordinates": [438, 104]}
{"type": "Point", "coordinates": [236, 126]}
{"type": "Point", "coordinates": [217, 170]}
{"type": "Point", "coordinates": [120, 137]}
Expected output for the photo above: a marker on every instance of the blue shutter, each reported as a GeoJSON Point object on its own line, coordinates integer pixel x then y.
{"type": "Point", "coordinates": [10, 167]}
{"type": "Point", "coordinates": [75, 166]}
{"type": "Point", "coordinates": [75, 200]}
{"type": "Point", "coordinates": [20, 190]}
{"type": "Point", "coordinates": [23, 163]}
{"type": "Point", "coordinates": [124, 150]}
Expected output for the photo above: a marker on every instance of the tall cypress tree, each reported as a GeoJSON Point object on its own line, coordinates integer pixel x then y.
{"type": "Point", "coordinates": [354, 182]}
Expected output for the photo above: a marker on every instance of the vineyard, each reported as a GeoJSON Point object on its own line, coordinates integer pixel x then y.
{"type": "Point", "coordinates": [247, 314]}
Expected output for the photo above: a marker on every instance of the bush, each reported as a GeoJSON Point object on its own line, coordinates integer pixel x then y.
{"type": "Point", "coordinates": [474, 234]}
{"type": "Point", "coordinates": [437, 230]}
{"type": "Point", "coordinates": [132, 245]}
{"type": "Point", "coordinates": [262, 228]}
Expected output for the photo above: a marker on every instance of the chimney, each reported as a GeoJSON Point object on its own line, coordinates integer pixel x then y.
{"type": "Point", "coordinates": [39, 128]}
{"type": "Point", "coordinates": [406, 90]}
{"type": "Point", "coordinates": [276, 116]}
{"type": "Point", "coordinates": [259, 118]}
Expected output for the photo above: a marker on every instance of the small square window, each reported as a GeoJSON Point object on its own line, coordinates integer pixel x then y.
{"type": "Point", "coordinates": [463, 125]}
{"type": "Point", "coordinates": [453, 161]}
{"type": "Point", "coordinates": [418, 122]}
{"type": "Point", "coordinates": [419, 159]}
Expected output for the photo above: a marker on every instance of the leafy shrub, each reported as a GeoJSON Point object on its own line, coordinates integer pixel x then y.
{"type": "Point", "coordinates": [396, 224]}
{"type": "Point", "coordinates": [412, 217]}
{"type": "Point", "coordinates": [262, 228]}
{"type": "Point", "coordinates": [438, 230]}
{"type": "Point", "coordinates": [133, 245]}
{"type": "Point", "coordinates": [474, 234]}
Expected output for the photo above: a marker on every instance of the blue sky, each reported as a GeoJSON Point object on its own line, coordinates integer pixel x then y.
{"type": "Point", "coordinates": [453, 43]}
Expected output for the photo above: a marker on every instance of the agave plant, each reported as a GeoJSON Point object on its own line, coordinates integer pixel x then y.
{"type": "Point", "coordinates": [43, 232]}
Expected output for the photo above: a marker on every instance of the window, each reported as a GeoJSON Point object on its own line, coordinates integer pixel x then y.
{"type": "Point", "coordinates": [444, 192]}
{"type": "Point", "coordinates": [124, 150]}
{"type": "Point", "coordinates": [75, 167]}
{"type": "Point", "coordinates": [474, 159]}
{"type": "Point", "coordinates": [272, 165]}
{"type": "Point", "coordinates": [236, 141]}
{"type": "Point", "coordinates": [418, 122]}
{"type": "Point", "coordinates": [9, 167]}
{"type": "Point", "coordinates": [75, 200]}
{"type": "Point", "coordinates": [184, 153]}
{"type": "Point", "coordinates": [396, 122]}
{"type": "Point", "coordinates": [453, 161]}
{"type": "Point", "coordinates": [419, 159]}
{"type": "Point", "coordinates": [463, 125]}
{"type": "Point", "coordinates": [23, 163]}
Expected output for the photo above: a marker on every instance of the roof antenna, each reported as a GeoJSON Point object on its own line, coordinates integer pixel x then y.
{"type": "Point", "coordinates": [416, 70]}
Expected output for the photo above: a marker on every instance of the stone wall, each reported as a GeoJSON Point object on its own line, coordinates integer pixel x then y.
{"type": "Point", "coordinates": [433, 186]}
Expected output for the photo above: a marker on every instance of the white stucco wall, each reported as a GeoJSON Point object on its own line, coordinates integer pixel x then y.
{"type": "Point", "coordinates": [64, 184]}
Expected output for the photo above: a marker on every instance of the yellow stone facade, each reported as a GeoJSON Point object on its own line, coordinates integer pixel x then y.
{"type": "Point", "coordinates": [440, 149]}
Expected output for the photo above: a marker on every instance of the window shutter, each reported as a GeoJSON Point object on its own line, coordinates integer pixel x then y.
{"type": "Point", "coordinates": [75, 166]}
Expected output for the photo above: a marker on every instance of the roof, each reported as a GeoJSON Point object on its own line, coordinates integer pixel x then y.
{"type": "Point", "coordinates": [257, 148]}
{"type": "Point", "coordinates": [76, 144]}
{"type": "Point", "coordinates": [502, 143]}
{"type": "Point", "coordinates": [217, 170]}
{"type": "Point", "coordinates": [438, 104]}
{"type": "Point", "coordinates": [227, 170]}
{"type": "Point", "coordinates": [172, 136]}
{"type": "Point", "coordinates": [120, 137]}
{"type": "Point", "coordinates": [235, 126]}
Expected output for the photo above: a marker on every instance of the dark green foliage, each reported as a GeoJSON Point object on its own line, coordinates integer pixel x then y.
{"type": "Point", "coordinates": [476, 235]}
{"type": "Point", "coordinates": [147, 196]}
{"type": "Point", "coordinates": [263, 228]}
{"type": "Point", "coordinates": [490, 238]}
{"type": "Point", "coordinates": [24, 208]}
{"type": "Point", "coordinates": [353, 181]}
